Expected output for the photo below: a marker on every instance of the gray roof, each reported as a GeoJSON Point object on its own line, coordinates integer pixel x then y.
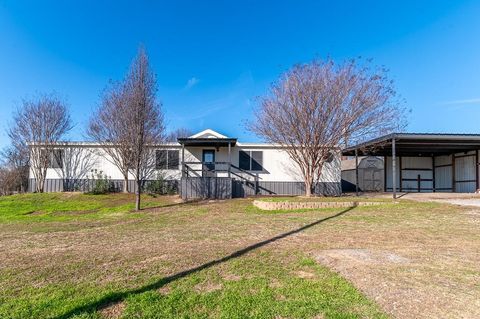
{"type": "Point", "coordinates": [417, 144]}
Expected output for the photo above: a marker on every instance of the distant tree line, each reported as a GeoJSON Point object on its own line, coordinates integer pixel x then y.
{"type": "Point", "coordinates": [312, 110]}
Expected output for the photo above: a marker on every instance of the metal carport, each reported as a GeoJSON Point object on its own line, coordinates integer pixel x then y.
{"type": "Point", "coordinates": [425, 161]}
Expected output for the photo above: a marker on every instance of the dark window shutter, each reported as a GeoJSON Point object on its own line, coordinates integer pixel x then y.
{"type": "Point", "coordinates": [173, 159]}
{"type": "Point", "coordinates": [161, 159]}
{"type": "Point", "coordinates": [257, 160]}
{"type": "Point", "coordinates": [42, 154]}
{"type": "Point", "coordinates": [331, 157]}
{"type": "Point", "coordinates": [56, 159]}
{"type": "Point", "coordinates": [244, 160]}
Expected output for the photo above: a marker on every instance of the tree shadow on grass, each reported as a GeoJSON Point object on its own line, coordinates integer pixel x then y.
{"type": "Point", "coordinates": [162, 207]}
{"type": "Point", "coordinates": [116, 297]}
{"type": "Point", "coordinates": [167, 205]}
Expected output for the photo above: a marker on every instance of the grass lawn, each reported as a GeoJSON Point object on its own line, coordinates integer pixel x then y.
{"type": "Point", "coordinates": [89, 256]}
{"type": "Point", "coordinates": [70, 206]}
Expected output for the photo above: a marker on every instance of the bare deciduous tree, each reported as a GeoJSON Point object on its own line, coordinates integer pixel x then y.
{"type": "Point", "coordinates": [178, 133]}
{"type": "Point", "coordinates": [13, 171]}
{"type": "Point", "coordinates": [8, 181]}
{"type": "Point", "coordinates": [146, 120]}
{"type": "Point", "coordinates": [315, 108]}
{"type": "Point", "coordinates": [77, 163]}
{"type": "Point", "coordinates": [38, 125]}
{"type": "Point", "coordinates": [129, 122]}
{"type": "Point", "coordinates": [109, 126]}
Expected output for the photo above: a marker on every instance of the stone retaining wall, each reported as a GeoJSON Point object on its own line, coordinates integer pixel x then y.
{"type": "Point", "coordinates": [265, 205]}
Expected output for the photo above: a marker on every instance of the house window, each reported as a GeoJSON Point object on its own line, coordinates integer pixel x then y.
{"type": "Point", "coordinates": [173, 159]}
{"type": "Point", "coordinates": [250, 160]}
{"type": "Point", "coordinates": [167, 159]}
{"type": "Point", "coordinates": [55, 159]}
{"type": "Point", "coordinates": [331, 157]}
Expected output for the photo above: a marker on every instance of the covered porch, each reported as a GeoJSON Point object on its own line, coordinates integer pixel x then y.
{"type": "Point", "coordinates": [207, 157]}
{"type": "Point", "coordinates": [207, 169]}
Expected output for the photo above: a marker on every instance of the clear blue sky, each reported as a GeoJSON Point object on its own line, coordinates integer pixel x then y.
{"type": "Point", "coordinates": [213, 58]}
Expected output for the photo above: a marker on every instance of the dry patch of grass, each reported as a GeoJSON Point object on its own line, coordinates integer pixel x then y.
{"type": "Point", "coordinates": [324, 199]}
{"type": "Point", "coordinates": [113, 310]}
{"type": "Point", "coordinates": [417, 261]}
{"type": "Point", "coordinates": [361, 256]}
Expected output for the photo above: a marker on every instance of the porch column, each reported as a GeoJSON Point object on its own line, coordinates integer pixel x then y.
{"type": "Point", "coordinates": [356, 171]}
{"type": "Point", "coordinates": [394, 170]}
{"type": "Point", "coordinates": [229, 158]}
{"type": "Point", "coordinates": [183, 160]}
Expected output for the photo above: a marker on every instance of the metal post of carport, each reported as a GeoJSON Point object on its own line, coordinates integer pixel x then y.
{"type": "Point", "coordinates": [356, 171]}
{"type": "Point", "coordinates": [394, 169]}
{"type": "Point", "coordinates": [477, 177]}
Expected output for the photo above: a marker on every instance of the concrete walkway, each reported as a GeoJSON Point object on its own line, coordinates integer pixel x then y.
{"type": "Point", "coordinates": [461, 202]}
{"type": "Point", "coordinates": [462, 199]}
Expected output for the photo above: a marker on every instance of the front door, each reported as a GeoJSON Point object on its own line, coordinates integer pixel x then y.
{"type": "Point", "coordinates": [208, 159]}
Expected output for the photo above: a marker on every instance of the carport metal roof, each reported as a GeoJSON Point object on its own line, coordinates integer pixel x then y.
{"type": "Point", "coordinates": [416, 144]}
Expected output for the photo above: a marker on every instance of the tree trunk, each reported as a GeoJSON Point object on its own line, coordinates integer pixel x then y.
{"type": "Point", "coordinates": [137, 196]}
{"type": "Point", "coordinates": [125, 183]}
{"type": "Point", "coordinates": [39, 189]}
{"type": "Point", "coordinates": [308, 188]}
{"type": "Point", "coordinates": [40, 182]}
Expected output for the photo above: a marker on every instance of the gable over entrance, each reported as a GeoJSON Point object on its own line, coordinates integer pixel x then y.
{"type": "Point", "coordinates": [207, 137]}
{"type": "Point", "coordinates": [208, 133]}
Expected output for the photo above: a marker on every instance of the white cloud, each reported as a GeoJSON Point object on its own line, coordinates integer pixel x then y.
{"type": "Point", "coordinates": [462, 102]}
{"type": "Point", "coordinates": [231, 96]}
{"type": "Point", "coordinates": [191, 83]}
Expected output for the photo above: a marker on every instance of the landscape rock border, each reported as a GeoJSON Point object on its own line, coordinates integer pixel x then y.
{"type": "Point", "coordinates": [286, 205]}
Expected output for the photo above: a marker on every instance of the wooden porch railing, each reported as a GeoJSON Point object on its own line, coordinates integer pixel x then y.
{"type": "Point", "coordinates": [189, 170]}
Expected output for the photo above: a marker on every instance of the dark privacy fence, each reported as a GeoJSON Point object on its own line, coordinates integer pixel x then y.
{"type": "Point", "coordinates": [224, 187]}
{"type": "Point", "coordinates": [206, 187]}
{"type": "Point", "coordinates": [87, 185]}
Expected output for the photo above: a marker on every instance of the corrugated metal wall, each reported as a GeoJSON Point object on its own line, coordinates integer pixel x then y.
{"type": "Point", "coordinates": [465, 174]}
{"type": "Point", "coordinates": [87, 185]}
{"type": "Point", "coordinates": [418, 173]}
{"type": "Point", "coordinates": [197, 187]}
{"type": "Point", "coordinates": [223, 187]}
{"type": "Point", "coordinates": [348, 181]}
{"type": "Point", "coordinates": [244, 188]}
{"type": "Point", "coordinates": [443, 173]}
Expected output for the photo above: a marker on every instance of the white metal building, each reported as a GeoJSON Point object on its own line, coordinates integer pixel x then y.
{"type": "Point", "coordinates": [426, 162]}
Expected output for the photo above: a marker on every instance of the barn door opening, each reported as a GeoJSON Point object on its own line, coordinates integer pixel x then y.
{"type": "Point", "coordinates": [372, 175]}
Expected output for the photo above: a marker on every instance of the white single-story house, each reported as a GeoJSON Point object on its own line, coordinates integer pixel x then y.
{"type": "Point", "coordinates": [206, 164]}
